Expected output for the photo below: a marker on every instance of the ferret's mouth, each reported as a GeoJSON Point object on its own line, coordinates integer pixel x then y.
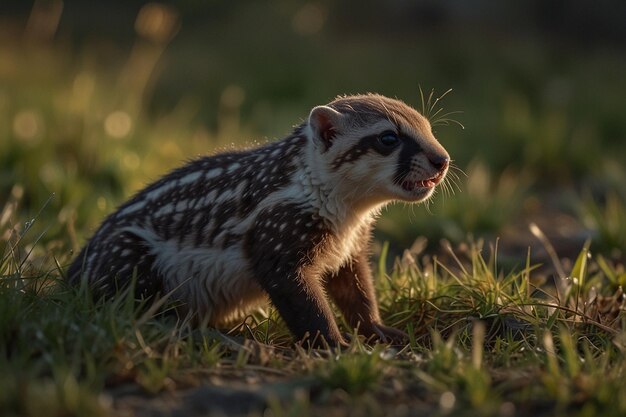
{"type": "Point", "coordinates": [428, 183]}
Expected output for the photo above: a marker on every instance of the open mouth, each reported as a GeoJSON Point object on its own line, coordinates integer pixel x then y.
{"type": "Point", "coordinates": [431, 182]}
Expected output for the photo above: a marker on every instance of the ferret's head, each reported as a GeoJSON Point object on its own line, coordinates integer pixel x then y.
{"type": "Point", "coordinates": [377, 148]}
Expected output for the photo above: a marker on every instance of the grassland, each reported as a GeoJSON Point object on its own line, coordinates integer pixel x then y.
{"type": "Point", "coordinates": [513, 301]}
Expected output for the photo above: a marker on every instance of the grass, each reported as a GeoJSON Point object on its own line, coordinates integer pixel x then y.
{"type": "Point", "coordinates": [82, 127]}
{"type": "Point", "coordinates": [608, 220]}
{"type": "Point", "coordinates": [482, 339]}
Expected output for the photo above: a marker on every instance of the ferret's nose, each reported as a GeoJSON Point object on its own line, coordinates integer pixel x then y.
{"type": "Point", "coordinates": [440, 162]}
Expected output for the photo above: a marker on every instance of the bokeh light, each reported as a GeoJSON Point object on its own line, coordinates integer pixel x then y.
{"type": "Point", "coordinates": [118, 124]}
{"type": "Point", "coordinates": [28, 126]}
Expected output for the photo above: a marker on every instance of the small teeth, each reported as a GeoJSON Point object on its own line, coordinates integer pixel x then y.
{"type": "Point", "coordinates": [427, 183]}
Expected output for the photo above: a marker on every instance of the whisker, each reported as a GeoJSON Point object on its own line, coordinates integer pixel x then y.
{"type": "Point", "coordinates": [433, 117]}
{"type": "Point", "coordinates": [436, 115]}
{"type": "Point", "coordinates": [427, 206]}
{"type": "Point", "coordinates": [450, 184]}
{"type": "Point", "coordinates": [447, 114]}
{"type": "Point", "coordinates": [452, 176]}
{"type": "Point", "coordinates": [446, 188]}
{"type": "Point", "coordinates": [430, 98]}
{"type": "Point", "coordinates": [441, 97]}
{"type": "Point", "coordinates": [457, 169]}
{"type": "Point", "coordinates": [447, 121]}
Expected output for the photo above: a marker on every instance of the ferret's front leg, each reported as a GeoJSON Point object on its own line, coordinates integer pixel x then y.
{"type": "Point", "coordinates": [293, 286]}
{"type": "Point", "coordinates": [301, 302]}
{"type": "Point", "coordinates": [352, 288]}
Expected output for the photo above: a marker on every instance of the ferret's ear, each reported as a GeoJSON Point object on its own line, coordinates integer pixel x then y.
{"type": "Point", "coordinates": [325, 123]}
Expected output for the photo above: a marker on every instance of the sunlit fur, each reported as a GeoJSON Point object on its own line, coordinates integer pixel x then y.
{"type": "Point", "coordinates": [217, 284]}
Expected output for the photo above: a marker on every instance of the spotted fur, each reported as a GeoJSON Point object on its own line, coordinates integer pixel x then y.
{"type": "Point", "coordinates": [290, 220]}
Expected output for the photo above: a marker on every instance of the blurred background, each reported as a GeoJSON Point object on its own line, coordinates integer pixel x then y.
{"type": "Point", "coordinates": [98, 98]}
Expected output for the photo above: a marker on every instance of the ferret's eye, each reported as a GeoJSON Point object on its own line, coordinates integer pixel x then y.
{"type": "Point", "coordinates": [389, 139]}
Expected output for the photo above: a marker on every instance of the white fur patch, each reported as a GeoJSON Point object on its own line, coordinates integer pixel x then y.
{"type": "Point", "coordinates": [215, 172]}
{"type": "Point", "coordinates": [156, 193]}
{"type": "Point", "coordinates": [182, 205]}
{"type": "Point", "coordinates": [166, 209]}
{"type": "Point", "coordinates": [189, 178]}
{"type": "Point", "coordinates": [233, 167]}
{"type": "Point", "coordinates": [132, 208]}
{"type": "Point", "coordinates": [208, 199]}
{"type": "Point", "coordinates": [217, 284]}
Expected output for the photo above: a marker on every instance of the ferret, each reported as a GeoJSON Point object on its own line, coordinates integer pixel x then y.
{"type": "Point", "coordinates": [290, 221]}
